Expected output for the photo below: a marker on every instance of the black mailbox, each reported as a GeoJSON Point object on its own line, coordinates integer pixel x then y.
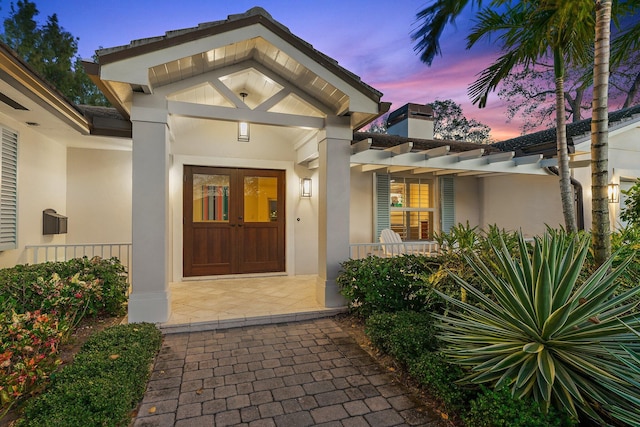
{"type": "Point", "coordinates": [53, 223]}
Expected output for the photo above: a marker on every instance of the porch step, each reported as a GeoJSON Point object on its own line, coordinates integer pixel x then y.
{"type": "Point", "coordinates": [249, 321]}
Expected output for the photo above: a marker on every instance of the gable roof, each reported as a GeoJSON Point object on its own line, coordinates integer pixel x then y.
{"type": "Point", "coordinates": [254, 15]}
{"type": "Point", "coordinates": [251, 39]}
{"type": "Point", "coordinates": [544, 142]}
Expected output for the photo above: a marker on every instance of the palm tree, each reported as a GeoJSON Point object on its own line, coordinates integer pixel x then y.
{"type": "Point", "coordinates": [627, 42]}
{"type": "Point", "coordinates": [527, 32]}
{"type": "Point", "coordinates": [435, 18]}
{"type": "Point", "coordinates": [600, 228]}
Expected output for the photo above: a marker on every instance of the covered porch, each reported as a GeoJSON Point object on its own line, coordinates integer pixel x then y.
{"type": "Point", "coordinates": [227, 119]}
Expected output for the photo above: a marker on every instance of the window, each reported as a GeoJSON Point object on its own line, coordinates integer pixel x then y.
{"type": "Point", "coordinates": [408, 205]}
{"type": "Point", "coordinates": [411, 204]}
{"type": "Point", "coordinates": [9, 190]}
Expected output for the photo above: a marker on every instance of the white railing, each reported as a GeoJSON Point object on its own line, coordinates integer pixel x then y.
{"type": "Point", "coordinates": [44, 253]}
{"type": "Point", "coordinates": [363, 250]}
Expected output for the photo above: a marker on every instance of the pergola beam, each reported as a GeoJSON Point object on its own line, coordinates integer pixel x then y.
{"type": "Point", "coordinates": [400, 149]}
{"type": "Point", "coordinates": [500, 157]}
{"type": "Point", "coordinates": [361, 146]}
{"type": "Point", "coordinates": [467, 163]}
{"type": "Point", "coordinates": [436, 152]}
{"type": "Point", "coordinates": [528, 160]}
{"type": "Point", "coordinates": [471, 154]}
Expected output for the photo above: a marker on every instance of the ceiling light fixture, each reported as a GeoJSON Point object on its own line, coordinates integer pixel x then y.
{"type": "Point", "coordinates": [243, 127]}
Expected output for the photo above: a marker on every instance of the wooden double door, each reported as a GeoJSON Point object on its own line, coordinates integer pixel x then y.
{"type": "Point", "coordinates": [234, 221]}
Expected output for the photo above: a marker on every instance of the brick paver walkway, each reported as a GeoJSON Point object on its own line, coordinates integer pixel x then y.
{"type": "Point", "coordinates": [296, 374]}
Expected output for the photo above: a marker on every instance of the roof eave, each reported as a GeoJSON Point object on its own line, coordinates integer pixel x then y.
{"type": "Point", "coordinates": [49, 97]}
{"type": "Point", "coordinates": [93, 71]}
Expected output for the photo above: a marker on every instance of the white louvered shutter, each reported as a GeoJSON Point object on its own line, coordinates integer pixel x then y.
{"type": "Point", "coordinates": [447, 203]}
{"type": "Point", "coordinates": [382, 203]}
{"type": "Point", "coordinates": [9, 190]}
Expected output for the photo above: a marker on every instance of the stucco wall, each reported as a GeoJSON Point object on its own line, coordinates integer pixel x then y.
{"type": "Point", "coordinates": [521, 202]}
{"type": "Point", "coordinates": [98, 196]}
{"type": "Point", "coordinates": [361, 208]}
{"type": "Point", "coordinates": [305, 222]}
{"type": "Point", "coordinates": [624, 164]}
{"type": "Point", "coordinates": [41, 185]}
{"type": "Point", "coordinates": [468, 200]}
{"type": "Point", "coordinates": [209, 138]}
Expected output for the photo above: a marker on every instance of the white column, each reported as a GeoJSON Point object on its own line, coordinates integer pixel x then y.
{"type": "Point", "coordinates": [150, 300]}
{"type": "Point", "coordinates": [334, 146]}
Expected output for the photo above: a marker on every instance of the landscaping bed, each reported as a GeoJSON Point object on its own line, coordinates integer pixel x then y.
{"type": "Point", "coordinates": [88, 326]}
{"type": "Point", "coordinates": [63, 353]}
{"type": "Point", "coordinates": [503, 332]}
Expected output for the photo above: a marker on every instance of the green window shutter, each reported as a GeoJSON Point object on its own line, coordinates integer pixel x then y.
{"type": "Point", "coordinates": [9, 190]}
{"type": "Point", "coordinates": [447, 203]}
{"type": "Point", "coordinates": [382, 201]}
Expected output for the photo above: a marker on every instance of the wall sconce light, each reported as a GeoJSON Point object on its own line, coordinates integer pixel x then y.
{"type": "Point", "coordinates": [243, 127]}
{"type": "Point", "coordinates": [613, 193]}
{"type": "Point", "coordinates": [305, 187]}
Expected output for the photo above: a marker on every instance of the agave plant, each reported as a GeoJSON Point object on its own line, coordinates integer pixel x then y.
{"type": "Point", "coordinates": [629, 413]}
{"type": "Point", "coordinates": [542, 331]}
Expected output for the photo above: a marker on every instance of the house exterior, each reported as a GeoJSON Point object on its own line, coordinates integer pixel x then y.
{"type": "Point", "coordinates": [52, 159]}
{"type": "Point", "coordinates": [172, 168]}
{"type": "Point", "coordinates": [624, 155]}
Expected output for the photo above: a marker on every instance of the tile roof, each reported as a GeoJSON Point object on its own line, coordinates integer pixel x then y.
{"type": "Point", "coordinates": [382, 141]}
{"type": "Point", "coordinates": [251, 16]}
{"type": "Point", "coordinates": [545, 141]}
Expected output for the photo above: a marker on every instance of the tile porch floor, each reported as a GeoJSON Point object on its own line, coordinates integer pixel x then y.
{"type": "Point", "coordinates": [233, 302]}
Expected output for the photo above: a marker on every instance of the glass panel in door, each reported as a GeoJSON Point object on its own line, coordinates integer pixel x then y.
{"type": "Point", "coordinates": [211, 198]}
{"type": "Point", "coordinates": [260, 199]}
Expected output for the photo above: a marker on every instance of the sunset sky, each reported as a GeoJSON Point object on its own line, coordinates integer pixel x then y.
{"type": "Point", "coordinates": [371, 38]}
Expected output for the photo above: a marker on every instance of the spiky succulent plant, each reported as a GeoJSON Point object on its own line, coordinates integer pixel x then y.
{"type": "Point", "coordinates": [544, 332]}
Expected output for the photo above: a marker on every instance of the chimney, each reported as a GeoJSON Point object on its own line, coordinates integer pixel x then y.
{"type": "Point", "coordinates": [411, 121]}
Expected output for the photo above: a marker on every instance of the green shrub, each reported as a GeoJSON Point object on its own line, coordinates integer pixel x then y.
{"type": "Point", "coordinates": [625, 244]}
{"type": "Point", "coordinates": [462, 241]}
{"type": "Point", "coordinates": [631, 211]}
{"type": "Point", "coordinates": [105, 382]}
{"type": "Point", "coordinates": [21, 287]}
{"type": "Point", "coordinates": [441, 378]}
{"type": "Point", "coordinates": [374, 285]}
{"type": "Point", "coordinates": [404, 335]}
{"type": "Point", "coordinates": [498, 408]}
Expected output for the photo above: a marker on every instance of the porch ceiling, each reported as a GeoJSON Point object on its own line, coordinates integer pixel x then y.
{"type": "Point", "coordinates": [256, 84]}
{"type": "Point", "coordinates": [442, 161]}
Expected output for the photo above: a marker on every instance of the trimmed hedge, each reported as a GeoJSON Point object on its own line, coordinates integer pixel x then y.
{"type": "Point", "coordinates": [103, 385]}
{"type": "Point", "coordinates": [440, 378]}
{"type": "Point", "coordinates": [498, 408]}
{"type": "Point", "coordinates": [404, 335]}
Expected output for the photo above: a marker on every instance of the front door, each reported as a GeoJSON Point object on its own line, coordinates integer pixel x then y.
{"type": "Point", "coordinates": [233, 221]}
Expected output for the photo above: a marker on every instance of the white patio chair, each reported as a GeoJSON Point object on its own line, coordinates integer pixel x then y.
{"type": "Point", "coordinates": [393, 245]}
